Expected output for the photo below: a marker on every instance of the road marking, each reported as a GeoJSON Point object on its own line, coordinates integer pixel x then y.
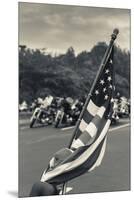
{"type": "Point", "coordinates": [49, 137]}
{"type": "Point", "coordinates": [23, 121]}
{"type": "Point", "coordinates": [24, 127]}
{"type": "Point", "coordinates": [71, 127]}
{"type": "Point", "coordinates": [67, 128]}
{"type": "Point", "coordinates": [111, 129]}
{"type": "Point", "coordinates": [116, 128]}
{"type": "Point", "coordinates": [42, 139]}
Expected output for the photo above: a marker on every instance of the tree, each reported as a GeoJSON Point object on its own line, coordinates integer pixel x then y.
{"type": "Point", "coordinates": [67, 74]}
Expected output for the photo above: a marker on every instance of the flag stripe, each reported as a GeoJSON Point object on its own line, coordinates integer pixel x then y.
{"type": "Point", "coordinates": [100, 157]}
{"type": "Point", "coordinates": [95, 124]}
{"type": "Point", "coordinates": [92, 108]}
{"type": "Point", "coordinates": [83, 125]}
{"type": "Point", "coordinates": [76, 154]}
{"type": "Point", "coordinates": [78, 143]}
{"type": "Point", "coordinates": [81, 159]}
{"type": "Point", "coordinates": [90, 150]}
{"type": "Point", "coordinates": [79, 151]}
{"type": "Point", "coordinates": [101, 111]}
{"type": "Point", "coordinates": [85, 137]}
{"type": "Point", "coordinates": [91, 129]}
{"type": "Point", "coordinates": [80, 169]}
{"type": "Point", "coordinates": [87, 117]}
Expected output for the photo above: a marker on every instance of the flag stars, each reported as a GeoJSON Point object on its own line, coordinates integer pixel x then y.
{"type": "Point", "coordinates": [110, 86]}
{"type": "Point", "coordinates": [109, 78]}
{"type": "Point", "coordinates": [104, 89]}
{"type": "Point", "coordinates": [102, 82]}
{"type": "Point", "coordinates": [111, 61]}
{"type": "Point", "coordinates": [106, 97]}
{"type": "Point", "coordinates": [107, 71]}
{"type": "Point", "coordinates": [96, 92]}
{"type": "Point", "coordinates": [112, 100]}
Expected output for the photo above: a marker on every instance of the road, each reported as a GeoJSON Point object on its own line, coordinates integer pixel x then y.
{"type": "Point", "coordinates": [37, 145]}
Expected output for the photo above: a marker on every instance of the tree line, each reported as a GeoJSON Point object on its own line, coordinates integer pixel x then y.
{"type": "Point", "coordinates": [67, 74]}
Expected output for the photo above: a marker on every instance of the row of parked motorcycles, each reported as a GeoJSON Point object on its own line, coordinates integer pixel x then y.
{"type": "Point", "coordinates": [56, 115]}
{"type": "Point", "coordinates": [66, 114]}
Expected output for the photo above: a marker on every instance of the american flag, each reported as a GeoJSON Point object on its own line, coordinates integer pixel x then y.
{"type": "Point", "coordinates": [88, 147]}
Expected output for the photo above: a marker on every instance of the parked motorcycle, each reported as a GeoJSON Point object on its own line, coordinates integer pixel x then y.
{"type": "Point", "coordinates": [66, 119]}
{"type": "Point", "coordinates": [59, 117]}
{"type": "Point", "coordinates": [123, 110]}
{"type": "Point", "coordinates": [42, 116]}
{"type": "Point", "coordinates": [115, 118]}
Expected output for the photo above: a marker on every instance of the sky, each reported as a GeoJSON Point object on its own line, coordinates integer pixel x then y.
{"type": "Point", "coordinates": [58, 27]}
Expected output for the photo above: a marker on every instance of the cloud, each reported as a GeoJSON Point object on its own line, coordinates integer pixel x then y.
{"type": "Point", "coordinates": [60, 26]}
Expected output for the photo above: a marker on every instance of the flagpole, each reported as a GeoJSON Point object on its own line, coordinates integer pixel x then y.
{"type": "Point", "coordinates": [104, 61]}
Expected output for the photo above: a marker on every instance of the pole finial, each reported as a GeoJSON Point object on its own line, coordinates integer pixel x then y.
{"type": "Point", "coordinates": [115, 33]}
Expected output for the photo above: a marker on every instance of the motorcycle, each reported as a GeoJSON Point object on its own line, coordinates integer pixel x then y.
{"type": "Point", "coordinates": [123, 111]}
{"type": "Point", "coordinates": [42, 116]}
{"type": "Point", "coordinates": [75, 115]}
{"type": "Point", "coordinates": [68, 119]}
{"type": "Point", "coordinates": [115, 118]}
{"type": "Point", "coordinates": [59, 117]}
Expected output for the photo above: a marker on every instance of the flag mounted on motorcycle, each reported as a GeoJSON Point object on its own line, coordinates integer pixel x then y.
{"type": "Point", "coordinates": [89, 142]}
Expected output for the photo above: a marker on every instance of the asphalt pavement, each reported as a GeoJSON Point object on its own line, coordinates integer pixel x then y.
{"type": "Point", "coordinates": [37, 145]}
